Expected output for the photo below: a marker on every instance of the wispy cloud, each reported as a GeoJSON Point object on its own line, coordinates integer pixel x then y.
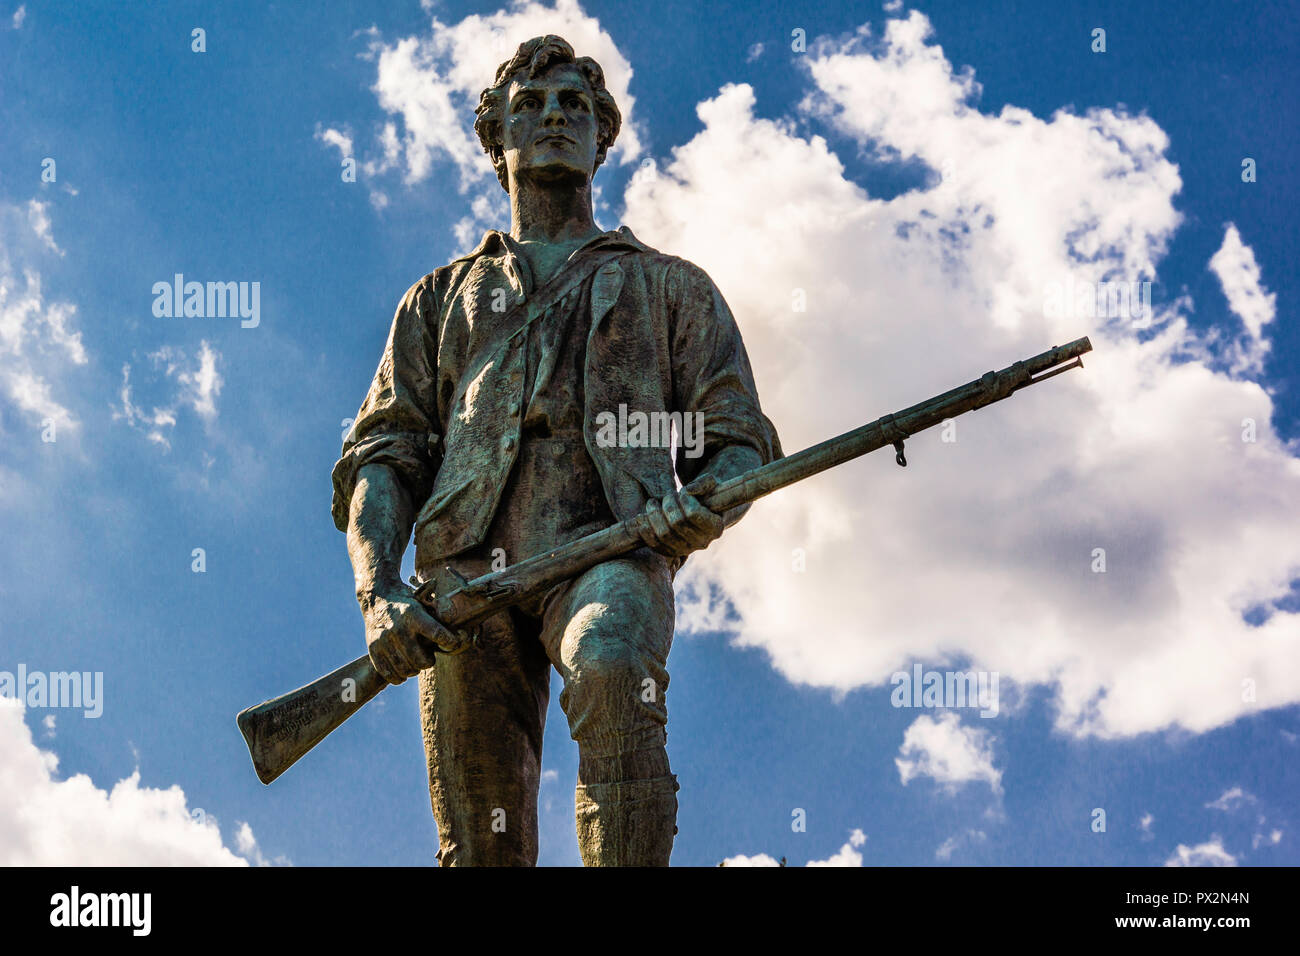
{"type": "Point", "coordinates": [1209, 853]}
{"type": "Point", "coordinates": [37, 337]}
{"type": "Point", "coordinates": [1239, 275]}
{"type": "Point", "coordinates": [197, 385]}
{"type": "Point", "coordinates": [957, 841]}
{"type": "Point", "coordinates": [1231, 799]}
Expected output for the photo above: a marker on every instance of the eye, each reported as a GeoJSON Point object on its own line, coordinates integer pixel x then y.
{"type": "Point", "coordinates": [526, 102]}
{"type": "Point", "coordinates": [575, 103]}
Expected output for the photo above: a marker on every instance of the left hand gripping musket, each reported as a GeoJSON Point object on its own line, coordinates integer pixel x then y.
{"type": "Point", "coordinates": [281, 730]}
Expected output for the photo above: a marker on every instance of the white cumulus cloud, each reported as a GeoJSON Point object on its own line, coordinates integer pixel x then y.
{"type": "Point", "coordinates": [848, 855]}
{"type": "Point", "coordinates": [247, 846]}
{"type": "Point", "coordinates": [45, 821]}
{"type": "Point", "coordinates": [952, 754]}
{"type": "Point", "coordinates": [761, 859]}
{"type": "Point", "coordinates": [987, 548]}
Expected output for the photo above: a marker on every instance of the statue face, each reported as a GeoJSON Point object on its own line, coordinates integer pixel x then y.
{"type": "Point", "coordinates": [549, 133]}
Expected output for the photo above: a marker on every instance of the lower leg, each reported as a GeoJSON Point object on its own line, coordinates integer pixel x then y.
{"type": "Point", "coordinates": [626, 807]}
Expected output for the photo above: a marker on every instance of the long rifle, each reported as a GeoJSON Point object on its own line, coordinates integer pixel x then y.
{"type": "Point", "coordinates": [281, 730]}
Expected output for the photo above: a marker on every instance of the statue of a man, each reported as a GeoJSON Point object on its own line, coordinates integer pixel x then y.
{"type": "Point", "coordinates": [488, 431]}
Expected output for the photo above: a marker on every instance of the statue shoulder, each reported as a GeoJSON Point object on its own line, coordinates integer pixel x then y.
{"type": "Point", "coordinates": [433, 287]}
{"type": "Point", "coordinates": [683, 279]}
{"type": "Point", "coordinates": [668, 268]}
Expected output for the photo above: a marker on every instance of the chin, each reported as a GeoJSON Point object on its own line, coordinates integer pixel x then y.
{"type": "Point", "coordinates": [557, 173]}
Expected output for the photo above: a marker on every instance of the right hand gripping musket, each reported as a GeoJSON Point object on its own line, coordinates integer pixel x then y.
{"type": "Point", "coordinates": [281, 730]}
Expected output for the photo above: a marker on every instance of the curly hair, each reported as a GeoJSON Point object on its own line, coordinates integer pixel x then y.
{"type": "Point", "coordinates": [534, 57]}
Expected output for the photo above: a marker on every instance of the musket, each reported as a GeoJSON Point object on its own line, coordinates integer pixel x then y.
{"type": "Point", "coordinates": [280, 731]}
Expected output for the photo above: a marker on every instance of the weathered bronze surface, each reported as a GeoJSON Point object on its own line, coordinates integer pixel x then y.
{"type": "Point", "coordinates": [480, 433]}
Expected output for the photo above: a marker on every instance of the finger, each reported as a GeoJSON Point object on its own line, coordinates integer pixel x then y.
{"type": "Point", "coordinates": [451, 641]}
{"type": "Point", "coordinates": [697, 524]}
{"type": "Point", "coordinates": [383, 663]}
{"type": "Point", "coordinates": [421, 636]}
{"type": "Point", "coordinates": [691, 521]}
{"type": "Point", "coordinates": [662, 542]}
{"type": "Point", "coordinates": [702, 486]}
{"type": "Point", "coordinates": [697, 539]}
{"type": "Point", "coordinates": [674, 511]}
{"type": "Point", "coordinates": [422, 650]}
{"type": "Point", "coordinates": [655, 528]}
{"type": "Point", "coordinates": [402, 644]}
{"type": "Point", "coordinates": [707, 521]}
{"type": "Point", "coordinates": [402, 650]}
{"type": "Point", "coordinates": [464, 641]}
{"type": "Point", "coordinates": [425, 637]}
{"type": "Point", "coordinates": [663, 525]}
{"type": "Point", "coordinates": [646, 530]}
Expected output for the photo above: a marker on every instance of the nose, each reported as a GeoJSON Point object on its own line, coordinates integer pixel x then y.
{"type": "Point", "coordinates": [552, 115]}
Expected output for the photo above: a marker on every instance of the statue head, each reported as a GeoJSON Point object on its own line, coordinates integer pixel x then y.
{"type": "Point", "coordinates": [547, 114]}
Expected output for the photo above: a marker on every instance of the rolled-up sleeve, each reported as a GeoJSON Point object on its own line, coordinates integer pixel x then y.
{"type": "Point", "coordinates": [397, 423]}
{"type": "Point", "coordinates": [711, 372]}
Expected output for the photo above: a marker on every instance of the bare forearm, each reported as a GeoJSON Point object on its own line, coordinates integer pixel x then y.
{"type": "Point", "coordinates": [379, 527]}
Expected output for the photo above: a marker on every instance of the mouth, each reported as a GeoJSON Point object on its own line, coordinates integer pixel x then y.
{"type": "Point", "coordinates": [551, 139]}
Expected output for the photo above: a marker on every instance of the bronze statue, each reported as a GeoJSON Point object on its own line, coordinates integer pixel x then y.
{"type": "Point", "coordinates": [480, 432]}
{"type": "Point", "coordinates": [520, 415]}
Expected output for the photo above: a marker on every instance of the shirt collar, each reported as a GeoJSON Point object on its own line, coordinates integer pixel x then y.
{"type": "Point", "coordinates": [496, 242]}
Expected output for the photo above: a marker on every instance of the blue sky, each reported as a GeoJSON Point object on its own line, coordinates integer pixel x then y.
{"type": "Point", "coordinates": [216, 165]}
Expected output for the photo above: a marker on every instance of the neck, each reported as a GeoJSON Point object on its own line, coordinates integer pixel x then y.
{"type": "Point", "coordinates": [551, 212]}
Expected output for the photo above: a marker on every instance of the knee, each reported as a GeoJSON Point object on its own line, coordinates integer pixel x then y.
{"type": "Point", "coordinates": [615, 694]}
{"type": "Point", "coordinates": [607, 663]}
{"type": "Point", "coordinates": [613, 651]}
